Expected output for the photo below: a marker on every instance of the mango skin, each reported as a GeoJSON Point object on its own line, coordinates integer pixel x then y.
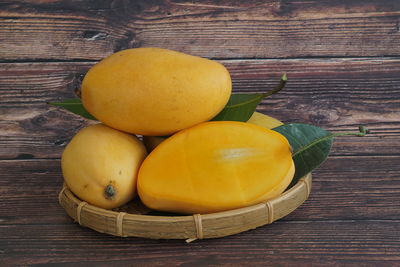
{"type": "Point", "coordinates": [257, 118]}
{"type": "Point", "coordinates": [216, 166]}
{"type": "Point", "coordinates": [155, 92]}
{"type": "Point", "coordinates": [99, 157]}
{"type": "Point", "coordinates": [264, 120]}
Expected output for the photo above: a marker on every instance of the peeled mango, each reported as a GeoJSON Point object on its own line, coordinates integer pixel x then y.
{"type": "Point", "coordinates": [155, 92]}
{"type": "Point", "coordinates": [216, 166]}
{"type": "Point", "coordinates": [100, 165]}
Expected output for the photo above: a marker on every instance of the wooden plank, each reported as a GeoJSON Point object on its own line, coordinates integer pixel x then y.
{"type": "Point", "coordinates": [354, 188]}
{"type": "Point", "coordinates": [337, 94]}
{"type": "Point", "coordinates": [344, 188]}
{"type": "Point", "coordinates": [62, 30]}
{"type": "Point", "coordinates": [29, 127]}
{"type": "Point", "coordinates": [333, 243]}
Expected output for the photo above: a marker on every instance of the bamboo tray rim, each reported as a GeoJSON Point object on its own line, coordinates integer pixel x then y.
{"type": "Point", "coordinates": [192, 226]}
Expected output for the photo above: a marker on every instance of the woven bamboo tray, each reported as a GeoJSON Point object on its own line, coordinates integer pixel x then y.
{"type": "Point", "coordinates": [131, 220]}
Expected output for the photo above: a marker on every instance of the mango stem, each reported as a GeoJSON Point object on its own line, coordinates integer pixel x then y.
{"type": "Point", "coordinates": [277, 88]}
{"type": "Point", "coordinates": [363, 131]}
{"type": "Point", "coordinates": [109, 191]}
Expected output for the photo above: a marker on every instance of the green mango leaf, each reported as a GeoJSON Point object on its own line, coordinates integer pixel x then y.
{"type": "Point", "coordinates": [75, 106]}
{"type": "Point", "coordinates": [240, 107]}
{"type": "Point", "coordinates": [311, 146]}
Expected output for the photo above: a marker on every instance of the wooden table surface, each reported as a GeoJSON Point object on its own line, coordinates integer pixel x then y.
{"type": "Point", "coordinates": [342, 58]}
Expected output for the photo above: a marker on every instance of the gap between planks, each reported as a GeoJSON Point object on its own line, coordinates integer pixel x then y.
{"type": "Point", "coordinates": [330, 156]}
{"type": "Point", "coordinates": [349, 58]}
{"type": "Point", "coordinates": [280, 221]}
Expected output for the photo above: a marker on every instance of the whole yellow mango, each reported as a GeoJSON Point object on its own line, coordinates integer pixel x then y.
{"type": "Point", "coordinates": [100, 165]}
{"type": "Point", "coordinates": [155, 92]}
{"type": "Point", "coordinates": [216, 166]}
{"type": "Point", "coordinates": [257, 118]}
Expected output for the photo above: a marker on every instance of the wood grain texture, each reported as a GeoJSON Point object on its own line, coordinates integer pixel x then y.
{"type": "Point", "coordinates": [84, 29]}
{"type": "Point", "coordinates": [344, 188]}
{"type": "Point", "coordinates": [337, 94]}
{"type": "Point", "coordinates": [342, 59]}
{"type": "Point", "coordinates": [333, 243]}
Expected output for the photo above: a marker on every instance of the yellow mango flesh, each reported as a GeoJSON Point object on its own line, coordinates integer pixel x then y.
{"type": "Point", "coordinates": [155, 92]}
{"type": "Point", "coordinates": [100, 165]}
{"type": "Point", "coordinates": [257, 118]}
{"type": "Point", "coordinates": [216, 166]}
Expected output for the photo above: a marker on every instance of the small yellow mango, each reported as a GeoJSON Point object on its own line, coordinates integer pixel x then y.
{"type": "Point", "coordinates": [100, 165]}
